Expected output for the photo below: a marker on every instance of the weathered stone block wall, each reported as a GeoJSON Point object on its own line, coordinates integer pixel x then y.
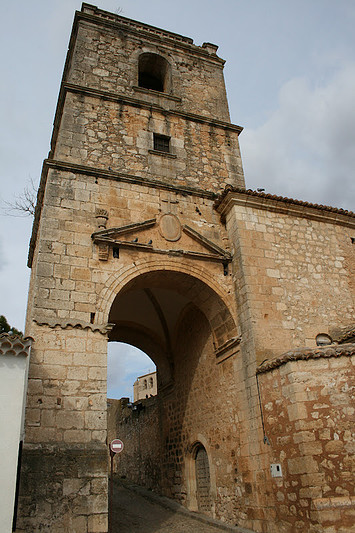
{"type": "Point", "coordinates": [139, 428]}
{"type": "Point", "coordinates": [294, 273]}
{"type": "Point", "coordinates": [118, 136]}
{"type": "Point", "coordinates": [309, 409]}
{"type": "Point", "coordinates": [67, 274]}
{"type": "Point", "coordinates": [63, 489]}
{"type": "Point", "coordinates": [66, 399]}
{"type": "Point", "coordinates": [64, 474]}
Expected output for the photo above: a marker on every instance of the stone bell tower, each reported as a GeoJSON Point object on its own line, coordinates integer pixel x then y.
{"type": "Point", "coordinates": [144, 233]}
{"type": "Point", "coordinates": [142, 144]}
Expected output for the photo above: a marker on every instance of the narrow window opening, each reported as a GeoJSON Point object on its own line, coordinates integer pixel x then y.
{"type": "Point", "coordinates": [92, 318]}
{"type": "Point", "coordinates": [116, 252]}
{"type": "Point", "coordinates": [161, 143]}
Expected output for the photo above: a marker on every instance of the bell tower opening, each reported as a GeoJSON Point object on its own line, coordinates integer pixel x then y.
{"type": "Point", "coordinates": [153, 72]}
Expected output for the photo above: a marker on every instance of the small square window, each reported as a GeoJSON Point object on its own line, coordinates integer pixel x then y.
{"type": "Point", "coordinates": [161, 143]}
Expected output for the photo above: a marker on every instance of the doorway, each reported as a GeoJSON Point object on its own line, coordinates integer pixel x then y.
{"type": "Point", "coordinates": [203, 480]}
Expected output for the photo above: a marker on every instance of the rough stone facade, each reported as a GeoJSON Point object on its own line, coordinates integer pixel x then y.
{"type": "Point", "coordinates": [138, 427]}
{"type": "Point", "coordinates": [310, 423]}
{"type": "Point", "coordinates": [144, 233]}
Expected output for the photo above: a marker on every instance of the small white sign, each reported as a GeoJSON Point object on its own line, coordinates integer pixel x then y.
{"type": "Point", "coordinates": [276, 470]}
{"type": "Point", "coordinates": [116, 446]}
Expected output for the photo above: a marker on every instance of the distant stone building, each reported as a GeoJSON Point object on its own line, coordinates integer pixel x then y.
{"type": "Point", "coordinates": [145, 233]}
{"type": "Point", "coordinates": [145, 386]}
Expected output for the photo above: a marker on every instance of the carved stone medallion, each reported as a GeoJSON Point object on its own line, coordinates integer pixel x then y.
{"type": "Point", "coordinates": [170, 227]}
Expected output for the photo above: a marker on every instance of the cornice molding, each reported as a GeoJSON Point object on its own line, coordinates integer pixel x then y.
{"type": "Point", "coordinates": [159, 94]}
{"type": "Point", "coordinates": [127, 178]}
{"type": "Point", "coordinates": [136, 102]}
{"type": "Point", "coordinates": [114, 237]}
{"type": "Point", "coordinates": [227, 349]}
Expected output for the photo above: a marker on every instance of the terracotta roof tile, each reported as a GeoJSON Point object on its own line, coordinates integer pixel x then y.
{"type": "Point", "coordinates": [284, 199]}
{"type": "Point", "coordinates": [332, 350]}
{"type": "Point", "coordinates": [14, 345]}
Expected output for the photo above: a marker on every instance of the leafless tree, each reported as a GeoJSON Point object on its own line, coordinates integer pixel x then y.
{"type": "Point", "coordinates": [23, 204]}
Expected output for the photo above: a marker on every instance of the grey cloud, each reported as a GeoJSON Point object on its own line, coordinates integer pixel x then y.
{"type": "Point", "coordinates": [306, 147]}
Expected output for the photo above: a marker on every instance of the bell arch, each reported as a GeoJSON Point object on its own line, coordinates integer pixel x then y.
{"type": "Point", "coordinates": [154, 72]}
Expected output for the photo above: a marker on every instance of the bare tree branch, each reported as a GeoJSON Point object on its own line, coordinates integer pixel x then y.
{"type": "Point", "coordinates": [23, 204]}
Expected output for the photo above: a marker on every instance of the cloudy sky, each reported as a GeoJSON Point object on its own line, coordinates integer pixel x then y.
{"type": "Point", "coordinates": [290, 77]}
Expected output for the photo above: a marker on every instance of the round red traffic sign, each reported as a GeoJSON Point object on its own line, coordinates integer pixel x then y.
{"type": "Point", "coordinates": [116, 446]}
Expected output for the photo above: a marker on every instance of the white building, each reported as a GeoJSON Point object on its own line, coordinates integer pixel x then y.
{"type": "Point", "coordinates": [14, 352]}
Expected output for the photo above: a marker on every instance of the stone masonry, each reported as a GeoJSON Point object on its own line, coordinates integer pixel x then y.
{"type": "Point", "coordinates": [144, 233]}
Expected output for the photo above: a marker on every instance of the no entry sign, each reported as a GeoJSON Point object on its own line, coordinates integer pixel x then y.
{"type": "Point", "coordinates": [116, 446]}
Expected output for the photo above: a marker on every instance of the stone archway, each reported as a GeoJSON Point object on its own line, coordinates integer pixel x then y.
{"type": "Point", "coordinates": [148, 309]}
{"type": "Point", "coordinates": [194, 283]}
{"type": "Point", "coordinates": [180, 322]}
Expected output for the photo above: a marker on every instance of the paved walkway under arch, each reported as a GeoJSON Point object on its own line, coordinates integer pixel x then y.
{"type": "Point", "coordinates": [136, 510]}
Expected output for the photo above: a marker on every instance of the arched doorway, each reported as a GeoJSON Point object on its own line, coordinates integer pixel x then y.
{"type": "Point", "coordinates": [203, 480]}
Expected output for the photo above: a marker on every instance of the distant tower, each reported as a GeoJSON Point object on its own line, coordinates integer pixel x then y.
{"type": "Point", "coordinates": [145, 386]}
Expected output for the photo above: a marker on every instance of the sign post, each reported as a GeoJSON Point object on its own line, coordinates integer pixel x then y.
{"type": "Point", "coordinates": [116, 446]}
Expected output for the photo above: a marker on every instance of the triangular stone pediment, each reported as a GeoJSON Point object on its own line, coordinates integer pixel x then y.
{"type": "Point", "coordinates": [164, 236]}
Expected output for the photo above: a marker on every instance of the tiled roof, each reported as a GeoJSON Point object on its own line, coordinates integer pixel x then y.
{"type": "Point", "coordinates": [333, 350]}
{"type": "Point", "coordinates": [14, 345]}
{"type": "Point", "coordinates": [250, 192]}
{"type": "Point", "coordinates": [73, 324]}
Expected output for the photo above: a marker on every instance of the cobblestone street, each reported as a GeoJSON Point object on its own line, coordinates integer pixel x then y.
{"type": "Point", "coordinates": [141, 512]}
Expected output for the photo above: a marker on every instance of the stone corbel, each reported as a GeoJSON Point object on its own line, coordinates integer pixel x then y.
{"type": "Point", "coordinates": [103, 251]}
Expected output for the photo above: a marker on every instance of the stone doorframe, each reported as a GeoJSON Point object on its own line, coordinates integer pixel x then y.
{"type": "Point", "coordinates": [190, 472]}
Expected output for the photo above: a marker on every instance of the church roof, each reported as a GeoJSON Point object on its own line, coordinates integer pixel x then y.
{"type": "Point", "coordinates": [283, 199]}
